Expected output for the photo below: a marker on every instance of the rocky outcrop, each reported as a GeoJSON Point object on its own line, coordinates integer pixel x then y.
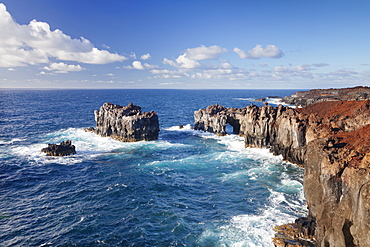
{"type": "Point", "coordinates": [303, 98]}
{"type": "Point", "coordinates": [126, 123]}
{"type": "Point", "coordinates": [332, 141]}
{"type": "Point", "coordinates": [280, 129]}
{"type": "Point", "coordinates": [63, 149]}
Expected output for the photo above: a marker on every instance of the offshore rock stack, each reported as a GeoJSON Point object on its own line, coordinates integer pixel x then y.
{"type": "Point", "coordinates": [331, 140]}
{"type": "Point", "coordinates": [125, 123]}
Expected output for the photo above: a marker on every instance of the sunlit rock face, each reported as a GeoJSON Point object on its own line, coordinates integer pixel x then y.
{"type": "Point", "coordinates": [332, 141]}
{"type": "Point", "coordinates": [126, 123]}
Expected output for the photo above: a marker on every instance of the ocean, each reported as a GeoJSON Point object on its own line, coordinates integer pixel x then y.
{"type": "Point", "coordinates": [188, 188]}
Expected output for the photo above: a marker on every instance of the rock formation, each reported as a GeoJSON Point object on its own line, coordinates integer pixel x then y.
{"type": "Point", "coordinates": [332, 141]}
{"type": "Point", "coordinates": [303, 98]}
{"type": "Point", "coordinates": [63, 149]}
{"type": "Point", "coordinates": [125, 123]}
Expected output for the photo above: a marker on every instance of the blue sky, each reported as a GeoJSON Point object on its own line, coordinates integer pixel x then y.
{"type": "Point", "coordinates": [249, 44]}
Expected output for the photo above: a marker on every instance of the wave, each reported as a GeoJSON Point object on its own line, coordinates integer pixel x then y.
{"type": "Point", "coordinates": [253, 229]}
{"type": "Point", "coordinates": [88, 146]}
{"type": "Point", "coordinates": [245, 99]}
{"type": "Point", "coordinates": [12, 141]}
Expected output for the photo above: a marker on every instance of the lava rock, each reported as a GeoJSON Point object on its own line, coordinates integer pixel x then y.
{"type": "Point", "coordinates": [63, 149]}
{"type": "Point", "coordinates": [125, 123]}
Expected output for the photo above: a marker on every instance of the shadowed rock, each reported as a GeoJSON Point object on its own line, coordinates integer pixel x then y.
{"type": "Point", "coordinates": [63, 149]}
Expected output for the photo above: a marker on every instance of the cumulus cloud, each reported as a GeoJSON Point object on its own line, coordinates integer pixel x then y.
{"type": "Point", "coordinates": [63, 68]}
{"type": "Point", "coordinates": [189, 60]}
{"type": "Point", "coordinates": [145, 56]}
{"type": "Point", "coordinates": [140, 66]}
{"type": "Point", "coordinates": [35, 43]}
{"type": "Point", "coordinates": [270, 51]}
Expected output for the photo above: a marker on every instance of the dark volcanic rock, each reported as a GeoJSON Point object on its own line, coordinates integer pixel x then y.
{"type": "Point", "coordinates": [126, 123]}
{"type": "Point", "coordinates": [332, 141]}
{"type": "Point", "coordinates": [63, 149]}
{"type": "Point", "coordinates": [303, 98]}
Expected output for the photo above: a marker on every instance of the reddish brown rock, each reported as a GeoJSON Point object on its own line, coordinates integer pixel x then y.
{"type": "Point", "coordinates": [332, 141]}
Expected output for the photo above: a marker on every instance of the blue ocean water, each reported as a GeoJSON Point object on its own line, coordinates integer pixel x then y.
{"type": "Point", "coordinates": [189, 188]}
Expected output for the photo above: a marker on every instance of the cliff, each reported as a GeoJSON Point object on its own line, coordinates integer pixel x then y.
{"type": "Point", "coordinates": [332, 141]}
{"type": "Point", "coordinates": [125, 123]}
{"type": "Point", "coordinates": [303, 98]}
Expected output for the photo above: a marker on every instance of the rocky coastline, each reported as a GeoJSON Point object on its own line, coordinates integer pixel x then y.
{"type": "Point", "coordinates": [304, 98]}
{"type": "Point", "coordinates": [125, 123]}
{"type": "Point", "coordinates": [331, 140]}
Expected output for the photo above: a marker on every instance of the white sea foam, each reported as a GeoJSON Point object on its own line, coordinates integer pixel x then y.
{"type": "Point", "coordinates": [245, 99]}
{"type": "Point", "coordinates": [253, 229]}
{"type": "Point", "coordinates": [12, 141]}
{"type": "Point", "coordinates": [88, 145]}
{"type": "Point", "coordinates": [176, 128]}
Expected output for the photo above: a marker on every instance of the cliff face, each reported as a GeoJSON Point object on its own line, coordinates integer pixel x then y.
{"type": "Point", "coordinates": [332, 141]}
{"type": "Point", "coordinates": [279, 129]}
{"type": "Point", "coordinates": [126, 123]}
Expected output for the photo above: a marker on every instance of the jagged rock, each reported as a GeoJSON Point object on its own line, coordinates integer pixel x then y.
{"type": "Point", "coordinates": [332, 141]}
{"type": "Point", "coordinates": [63, 149]}
{"type": "Point", "coordinates": [279, 129]}
{"type": "Point", "coordinates": [125, 123]}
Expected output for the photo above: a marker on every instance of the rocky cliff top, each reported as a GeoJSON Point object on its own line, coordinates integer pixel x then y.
{"type": "Point", "coordinates": [125, 123]}
{"type": "Point", "coordinates": [123, 111]}
{"type": "Point", "coordinates": [303, 98]}
{"type": "Point", "coordinates": [332, 109]}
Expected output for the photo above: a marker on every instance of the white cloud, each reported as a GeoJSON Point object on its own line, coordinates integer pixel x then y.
{"type": "Point", "coordinates": [145, 56]}
{"type": "Point", "coordinates": [63, 68]}
{"type": "Point", "coordinates": [189, 60]}
{"type": "Point", "coordinates": [270, 51]}
{"type": "Point", "coordinates": [35, 43]}
{"type": "Point", "coordinates": [138, 65]}
{"type": "Point", "coordinates": [203, 52]}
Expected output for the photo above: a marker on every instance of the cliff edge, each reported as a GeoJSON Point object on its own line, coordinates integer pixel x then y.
{"type": "Point", "coordinates": [331, 140]}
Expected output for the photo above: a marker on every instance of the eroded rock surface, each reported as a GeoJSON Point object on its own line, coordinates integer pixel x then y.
{"type": "Point", "coordinates": [63, 149]}
{"type": "Point", "coordinates": [332, 141]}
{"type": "Point", "coordinates": [303, 98]}
{"type": "Point", "coordinates": [126, 123]}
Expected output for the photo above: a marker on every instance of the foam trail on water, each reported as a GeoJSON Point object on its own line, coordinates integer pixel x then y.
{"type": "Point", "coordinates": [245, 99]}
{"type": "Point", "coordinates": [88, 146]}
{"type": "Point", "coordinates": [252, 229]}
{"type": "Point", "coordinates": [12, 141]}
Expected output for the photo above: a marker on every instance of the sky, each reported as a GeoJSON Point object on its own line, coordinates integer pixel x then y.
{"type": "Point", "coordinates": [184, 44]}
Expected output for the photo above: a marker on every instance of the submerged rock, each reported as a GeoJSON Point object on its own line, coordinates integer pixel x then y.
{"type": "Point", "coordinates": [63, 149]}
{"type": "Point", "coordinates": [125, 123]}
